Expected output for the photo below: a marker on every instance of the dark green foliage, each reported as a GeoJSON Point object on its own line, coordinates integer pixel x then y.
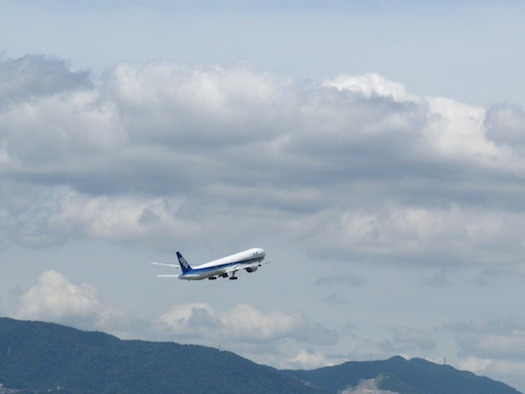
{"type": "Point", "coordinates": [37, 356]}
{"type": "Point", "coordinates": [396, 374]}
{"type": "Point", "coordinates": [45, 357]}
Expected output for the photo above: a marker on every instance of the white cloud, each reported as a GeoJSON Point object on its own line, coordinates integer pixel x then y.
{"type": "Point", "coordinates": [307, 359]}
{"type": "Point", "coordinates": [355, 166]}
{"type": "Point", "coordinates": [241, 324]}
{"type": "Point", "coordinates": [432, 235]}
{"type": "Point", "coordinates": [54, 296]}
{"type": "Point", "coordinates": [56, 299]}
{"type": "Point", "coordinates": [119, 218]}
{"type": "Point", "coordinates": [247, 323]}
{"type": "Point", "coordinates": [372, 85]}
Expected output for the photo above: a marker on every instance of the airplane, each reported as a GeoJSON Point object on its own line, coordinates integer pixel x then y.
{"type": "Point", "coordinates": [248, 260]}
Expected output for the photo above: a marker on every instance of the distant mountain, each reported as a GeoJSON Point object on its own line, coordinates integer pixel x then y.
{"type": "Point", "coordinates": [46, 357]}
{"type": "Point", "coordinates": [398, 375]}
{"type": "Point", "coordinates": [36, 356]}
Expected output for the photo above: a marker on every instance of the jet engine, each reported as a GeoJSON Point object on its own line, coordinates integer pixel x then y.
{"type": "Point", "coordinates": [251, 269]}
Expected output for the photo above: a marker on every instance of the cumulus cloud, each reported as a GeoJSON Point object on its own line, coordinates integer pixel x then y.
{"type": "Point", "coordinates": [242, 324]}
{"type": "Point", "coordinates": [56, 299]}
{"type": "Point", "coordinates": [353, 167]}
{"type": "Point", "coordinates": [307, 359]}
{"type": "Point", "coordinates": [124, 217]}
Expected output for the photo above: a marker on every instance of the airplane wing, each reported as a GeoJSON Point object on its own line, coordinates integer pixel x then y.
{"type": "Point", "coordinates": [166, 264]}
{"type": "Point", "coordinates": [252, 265]}
{"type": "Point", "coordinates": [233, 268]}
{"type": "Point", "coordinates": [248, 267]}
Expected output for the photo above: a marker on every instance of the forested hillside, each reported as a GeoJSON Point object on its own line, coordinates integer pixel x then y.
{"type": "Point", "coordinates": [46, 357]}
{"type": "Point", "coordinates": [36, 356]}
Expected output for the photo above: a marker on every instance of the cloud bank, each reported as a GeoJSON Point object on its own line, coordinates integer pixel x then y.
{"type": "Point", "coordinates": [354, 167]}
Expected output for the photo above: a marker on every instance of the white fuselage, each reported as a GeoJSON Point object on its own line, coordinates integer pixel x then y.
{"type": "Point", "coordinates": [249, 260]}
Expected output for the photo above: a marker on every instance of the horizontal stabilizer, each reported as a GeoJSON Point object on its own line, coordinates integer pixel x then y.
{"type": "Point", "coordinates": [166, 264]}
{"type": "Point", "coordinates": [167, 276]}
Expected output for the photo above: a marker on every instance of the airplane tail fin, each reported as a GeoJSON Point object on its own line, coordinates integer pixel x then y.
{"type": "Point", "coordinates": [183, 263]}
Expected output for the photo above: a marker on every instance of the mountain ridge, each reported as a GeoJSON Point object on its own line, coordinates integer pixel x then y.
{"type": "Point", "coordinates": [414, 376]}
{"type": "Point", "coordinates": [39, 356]}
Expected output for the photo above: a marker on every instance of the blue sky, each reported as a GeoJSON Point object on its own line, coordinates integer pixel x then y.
{"type": "Point", "coordinates": [375, 151]}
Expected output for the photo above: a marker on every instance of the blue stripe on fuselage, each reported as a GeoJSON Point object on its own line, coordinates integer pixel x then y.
{"type": "Point", "coordinates": [195, 272]}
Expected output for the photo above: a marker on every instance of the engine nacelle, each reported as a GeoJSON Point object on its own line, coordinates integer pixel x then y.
{"type": "Point", "coordinates": [251, 269]}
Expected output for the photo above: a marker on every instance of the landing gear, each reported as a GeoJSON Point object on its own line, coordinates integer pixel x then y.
{"type": "Point", "coordinates": [212, 278]}
{"type": "Point", "coordinates": [233, 277]}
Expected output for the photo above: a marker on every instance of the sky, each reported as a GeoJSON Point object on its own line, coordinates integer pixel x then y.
{"type": "Point", "coordinates": [375, 150]}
